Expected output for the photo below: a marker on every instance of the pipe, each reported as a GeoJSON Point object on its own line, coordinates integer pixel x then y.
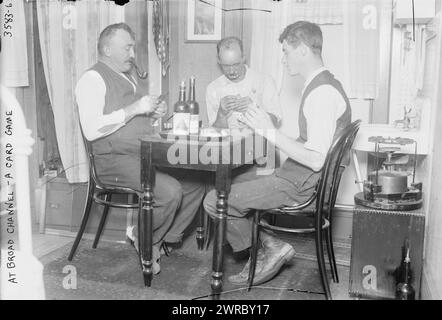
{"type": "Point", "coordinates": [141, 74]}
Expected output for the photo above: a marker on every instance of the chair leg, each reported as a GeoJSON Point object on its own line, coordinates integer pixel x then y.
{"type": "Point", "coordinates": [254, 248]}
{"type": "Point", "coordinates": [107, 197]}
{"type": "Point", "coordinates": [87, 211]}
{"type": "Point", "coordinates": [331, 255]}
{"type": "Point", "coordinates": [321, 262]}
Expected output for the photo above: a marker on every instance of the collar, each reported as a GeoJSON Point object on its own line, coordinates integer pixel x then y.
{"type": "Point", "coordinates": [312, 76]}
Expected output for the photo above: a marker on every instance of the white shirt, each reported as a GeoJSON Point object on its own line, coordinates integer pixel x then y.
{"type": "Point", "coordinates": [90, 94]}
{"type": "Point", "coordinates": [322, 108]}
{"type": "Point", "coordinates": [259, 87]}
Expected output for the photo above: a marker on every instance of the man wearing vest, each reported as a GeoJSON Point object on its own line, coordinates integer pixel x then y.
{"type": "Point", "coordinates": [324, 111]}
{"type": "Point", "coordinates": [115, 110]}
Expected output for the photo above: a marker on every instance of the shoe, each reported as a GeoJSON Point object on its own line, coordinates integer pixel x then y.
{"type": "Point", "coordinates": [274, 258]}
{"type": "Point", "coordinates": [243, 276]}
{"type": "Point", "coordinates": [156, 255]}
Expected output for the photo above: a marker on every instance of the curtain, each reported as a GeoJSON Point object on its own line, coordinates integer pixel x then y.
{"type": "Point", "coordinates": [14, 59]}
{"type": "Point", "coordinates": [362, 25]}
{"type": "Point", "coordinates": [317, 11]}
{"type": "Point", "coordinates": [266, 53]}
{"type": "Point", "coordinates": [68, 37]}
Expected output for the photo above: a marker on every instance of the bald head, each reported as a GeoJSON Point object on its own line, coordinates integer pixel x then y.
{"type": "Point", "coordinates": [231, 58]}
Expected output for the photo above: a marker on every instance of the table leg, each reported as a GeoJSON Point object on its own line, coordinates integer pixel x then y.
{"type": "Point", "coordinates": [145, 237]}
{"type": "Point", "coordinates": [145, 213]}
{"type": "Point", "coordinates": [223, 182]}
{"type": "Point", "coordinates": [218, 252]}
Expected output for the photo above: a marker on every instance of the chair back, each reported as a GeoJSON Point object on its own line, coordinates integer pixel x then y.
{"type": "Point", "coordinates": [340, 169]}
{"type": "Point", "coordinates": [337, 159]}
{"type": "Point", "coordinates": [93, 176]}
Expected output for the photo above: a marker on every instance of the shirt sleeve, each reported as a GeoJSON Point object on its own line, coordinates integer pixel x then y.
{"type": "Point", "coordinates": [322, 109]}
{"type": "Point", "coordinates": [270, 98]}
{"type": "Point", "coordinates": [90, 94]}
{"type": "Point", "coordinates": [212, 104]}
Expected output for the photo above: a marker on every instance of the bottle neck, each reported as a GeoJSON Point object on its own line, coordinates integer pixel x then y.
{"type": "Point", "coordinates": [406, 271]}
{"type": "Point", "coordinates": [182, 94]}
{"type": "Point", "coordinates": [192, 90]}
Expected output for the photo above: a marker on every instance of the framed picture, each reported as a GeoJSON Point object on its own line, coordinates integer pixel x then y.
{"type": "Point", "coordinates": [204, 20]}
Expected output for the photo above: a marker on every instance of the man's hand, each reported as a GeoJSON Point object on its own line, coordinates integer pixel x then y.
{"type": "Point", "coordinates": [160, 110]}
{"type": "Point", "coordinates": [147, 105]}
{"type": "Point", "coordinates": [235, 103]}
{"type": "Point", "coordinates": [243, 104]}
{"type": "Point", "coordinates": [227, 104]}
{"type": "Point", "coordinates": [257, 118]}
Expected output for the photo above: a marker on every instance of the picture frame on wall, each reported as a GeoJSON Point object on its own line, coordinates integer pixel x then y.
{"type": "Point", "coordinates": [204, 20]}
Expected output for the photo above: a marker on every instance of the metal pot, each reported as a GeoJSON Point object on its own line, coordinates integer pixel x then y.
{"type": "Point", "coordinates": [390, 181]}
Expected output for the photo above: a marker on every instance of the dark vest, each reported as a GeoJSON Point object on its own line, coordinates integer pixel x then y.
{"type": "Point", "coordinates": [119, 94]}
{"type": "Point", "coordinates": [302, 177]}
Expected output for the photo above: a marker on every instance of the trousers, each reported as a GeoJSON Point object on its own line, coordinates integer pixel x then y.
{"type": "Point", "coordinates": [178, 194]}
{"type": "Point", "coordinates": [249, 191]}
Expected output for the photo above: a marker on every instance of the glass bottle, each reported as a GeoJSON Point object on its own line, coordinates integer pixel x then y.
{"type": "Point", "coordinates": [181, 115]}
{"type": "Point", "coordinates": [404, 289]}
{"type": "Point", "coordinates": [193, 108]}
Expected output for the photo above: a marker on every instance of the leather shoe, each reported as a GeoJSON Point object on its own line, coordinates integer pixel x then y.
{"type": "Point", "coordinates": [243, 276]}
{"type": "Point", "coordinates": [274, 258]}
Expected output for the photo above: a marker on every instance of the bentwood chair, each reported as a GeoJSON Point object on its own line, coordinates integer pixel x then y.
{"type": "Point", "coordinates": [101, 194]}
{"type": "Point", "coordinates": [316, 213]}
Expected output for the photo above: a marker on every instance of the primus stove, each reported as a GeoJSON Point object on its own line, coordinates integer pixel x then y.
{"type": "Point", "coordinates": [387, 188]}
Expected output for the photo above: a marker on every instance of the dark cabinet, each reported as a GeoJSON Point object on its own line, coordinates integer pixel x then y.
{"type": "Point", "coordinates": [379, 244]}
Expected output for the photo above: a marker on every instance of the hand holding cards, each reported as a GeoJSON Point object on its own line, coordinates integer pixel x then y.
{"type": "Point", "coordinates": [160, 109]}
{"type": "Point", "coordinates": [235, 103]}
{"type": "Point", "coordinates": [256, 118]}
